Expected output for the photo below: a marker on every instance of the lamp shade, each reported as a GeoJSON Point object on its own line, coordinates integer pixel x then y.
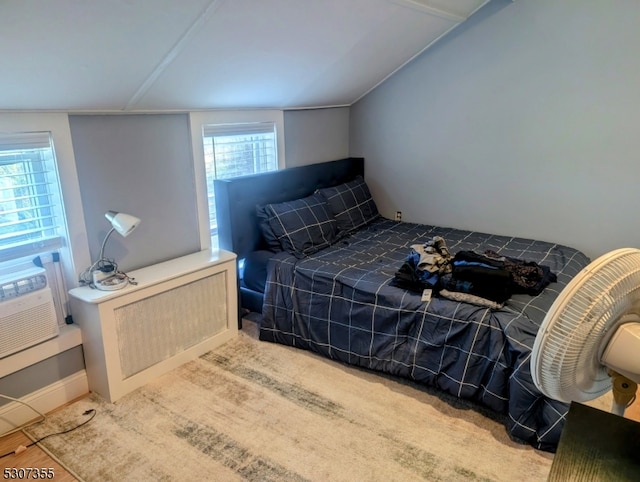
{"type": "Point", "coordinates": [121, 222]}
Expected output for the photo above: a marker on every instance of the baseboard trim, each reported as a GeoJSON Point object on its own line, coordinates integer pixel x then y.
{"type": "Point", "coordinates": [14, 414]}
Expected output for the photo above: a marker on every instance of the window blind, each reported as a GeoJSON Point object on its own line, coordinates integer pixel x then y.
{"type": "Point", "coordinates": [248, 128]}
{"type": "Point", "coordinates": [232, 150]}
{"type": "Point", "coordinates": [29, 195]}
{"type": "Point", "coordinates": [24, 140]}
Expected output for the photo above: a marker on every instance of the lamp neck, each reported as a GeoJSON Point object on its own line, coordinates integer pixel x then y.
{"type": "Point", "coordinates": [104, 243]}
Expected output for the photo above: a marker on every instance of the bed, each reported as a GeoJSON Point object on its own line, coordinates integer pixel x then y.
{"type": "Point", "coordinates": [336, 294]}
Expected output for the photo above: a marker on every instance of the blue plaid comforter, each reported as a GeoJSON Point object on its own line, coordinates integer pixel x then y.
{"type": "Point", "coordinates": [339, 303]}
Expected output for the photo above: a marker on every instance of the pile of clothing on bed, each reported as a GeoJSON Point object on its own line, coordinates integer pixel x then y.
{"type": "Point", "coordinates": [486, 279]}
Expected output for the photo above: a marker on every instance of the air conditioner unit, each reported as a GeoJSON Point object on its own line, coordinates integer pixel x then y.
{"type": "Point", "coordinates": [27, 312]}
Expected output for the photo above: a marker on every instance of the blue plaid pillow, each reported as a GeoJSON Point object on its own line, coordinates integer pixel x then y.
{"type": "Point", "coordinates": [303, 226]}
{"type": "Point", "coordinates": [268, 235]}
{"type": "Point", "coordinates": [351, 204]}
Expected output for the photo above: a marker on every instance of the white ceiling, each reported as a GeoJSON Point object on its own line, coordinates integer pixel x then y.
{"type": "Point", "coordinates": [137, 55]}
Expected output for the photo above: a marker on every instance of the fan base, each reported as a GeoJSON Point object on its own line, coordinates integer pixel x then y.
{"type": "Point", "coordinates": [624, 392]}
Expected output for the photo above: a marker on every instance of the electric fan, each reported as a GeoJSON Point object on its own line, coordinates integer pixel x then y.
{"type": "Point", "coordinates": [589, 341]}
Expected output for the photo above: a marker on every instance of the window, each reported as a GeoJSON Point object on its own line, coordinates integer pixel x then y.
{"type": "Point", "coordinates": [232, 150]}
{"type": "Point", "coordinates": [31, 218]}
{"type": "Point", "coordinates": [230, 143]}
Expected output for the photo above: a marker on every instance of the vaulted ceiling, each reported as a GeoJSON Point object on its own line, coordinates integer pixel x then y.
{"type": "Point", "coordinates": [137, 55]}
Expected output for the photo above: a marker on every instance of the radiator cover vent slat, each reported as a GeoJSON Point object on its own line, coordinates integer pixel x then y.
{"type": "Point", "coordinates": [156, 328]}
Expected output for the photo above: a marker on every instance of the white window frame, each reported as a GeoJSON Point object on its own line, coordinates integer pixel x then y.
{"type": "Point", "coordinates": [202, 118]}
{"type": "Point", "coordinates": [45, 214]}
{"type": "Point", "coordinates": [75, 250]}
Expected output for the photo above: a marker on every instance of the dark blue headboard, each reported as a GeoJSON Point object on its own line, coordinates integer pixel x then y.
{"type": "Point", "coordinates": [237, 198]}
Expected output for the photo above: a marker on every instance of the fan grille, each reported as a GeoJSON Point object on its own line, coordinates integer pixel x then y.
{"type": "Point", "coordinates": [567, 351]}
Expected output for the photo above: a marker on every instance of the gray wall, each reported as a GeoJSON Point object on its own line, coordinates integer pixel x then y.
{"type": "Point", "coordinates": [41, 374]}
{"type": "Point", "coordinates": [316, 135]}
{"type": "Point", "coordinates": [523, 121]}
{"type": "Point", "coordinates": [140, 165]}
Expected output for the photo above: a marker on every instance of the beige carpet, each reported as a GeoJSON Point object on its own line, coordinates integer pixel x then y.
{"type": "Point", "coordinates": [258, 411]}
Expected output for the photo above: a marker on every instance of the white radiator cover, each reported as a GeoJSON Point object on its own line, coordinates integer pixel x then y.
{"type": "Point", "coordinates": [26, 321]}
{"type": "Point", "coordinates": [179, 310]}
{"type": "Point", "coordinates": [156, 328]}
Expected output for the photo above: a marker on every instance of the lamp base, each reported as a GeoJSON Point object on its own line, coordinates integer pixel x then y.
{"type": "Point", "coordinates": [108, 278]}
{"type": "Point", "coordinates": [105, 271]}
{"type": "Point", "coordinates": [115, 282]}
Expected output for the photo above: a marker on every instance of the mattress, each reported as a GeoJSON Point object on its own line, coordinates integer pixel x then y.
{"type": "Point", "coordinates": [340, 302]}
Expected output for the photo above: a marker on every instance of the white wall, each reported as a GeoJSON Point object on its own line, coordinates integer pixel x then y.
{"type": "Point", "coordinates": [316, 135]}
{"type": "Point", "coordinates": [524, 121]}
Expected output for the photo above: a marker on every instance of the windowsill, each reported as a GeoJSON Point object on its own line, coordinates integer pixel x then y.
{"type": "Point", "coordinates": [69, 337]}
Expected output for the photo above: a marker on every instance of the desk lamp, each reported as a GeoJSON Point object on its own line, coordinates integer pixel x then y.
{"type": "Point", "coordinates": [105, 274]}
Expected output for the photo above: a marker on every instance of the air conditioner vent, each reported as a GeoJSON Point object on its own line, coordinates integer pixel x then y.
{"type": "Point", "coordinates": [27, 320]}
